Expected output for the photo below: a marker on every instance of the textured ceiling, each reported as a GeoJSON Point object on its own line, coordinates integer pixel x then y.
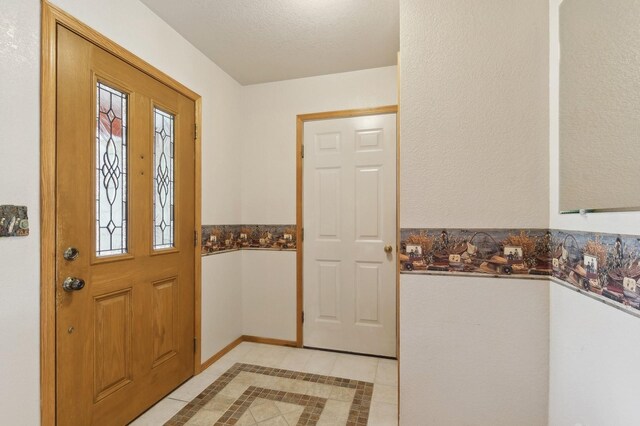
{"type": "Point", "coordinates": [257, 41]}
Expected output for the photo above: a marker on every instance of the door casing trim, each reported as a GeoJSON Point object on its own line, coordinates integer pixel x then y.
{"type": "Point", "coordinates": [52, 16]}
{"type": "Point", "coordinates": [300, 120]}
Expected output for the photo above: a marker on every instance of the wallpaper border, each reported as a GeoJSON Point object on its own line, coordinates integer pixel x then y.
{"type": "Point", "coordinates": [218, 239]}
{"type": "Point", "coordinates": [603, 266]}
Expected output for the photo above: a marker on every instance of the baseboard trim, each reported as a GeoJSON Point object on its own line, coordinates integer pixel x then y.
{"type": "Point", "coordinates": [222, 353]}
{"type": "Point", "coordinates": [245, 338]}
{"type": "Point", "coordinates": [270, 341]}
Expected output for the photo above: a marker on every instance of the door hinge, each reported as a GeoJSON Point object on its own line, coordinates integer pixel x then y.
{"type": "Point", "coordinates": [195, 345]}
{"type": "Point", "coordinates": [302, 151]}
{"type": "Point", "coordinates": [195, 131]}
{"type": "Point", "coordinates": [195, 238]}
{"type": "Point", "coordinates": [302, 234]}
{"type": "Point", "coordinates": [303, 317]}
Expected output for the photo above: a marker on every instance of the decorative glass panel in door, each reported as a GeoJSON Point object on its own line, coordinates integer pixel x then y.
{"type": "Point", "coordinates": [111, 171]}
{"type": "Point", "coordinates": [163, 180]}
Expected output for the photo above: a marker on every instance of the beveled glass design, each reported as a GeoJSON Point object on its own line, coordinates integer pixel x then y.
{"type": "Point", "coordinates": [163, 180]}
{"type": "Point", "coordinates": [111, 171]}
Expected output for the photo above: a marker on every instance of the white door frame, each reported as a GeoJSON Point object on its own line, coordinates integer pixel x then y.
{"type": "Point", "coordinates": [300, 121]}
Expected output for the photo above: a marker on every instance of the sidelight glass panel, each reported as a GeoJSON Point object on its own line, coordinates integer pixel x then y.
{"type": "Point", "coordinates": [111, 171]}
{"type": "Point", "coordinates": [163, 180]}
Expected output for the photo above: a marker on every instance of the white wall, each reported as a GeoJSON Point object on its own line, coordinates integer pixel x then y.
{"type": "Point", "coordinates": [590, 342]}
{"type": "Point", "coordinates": [467, 359]}
{"type": "Point", "coordinates": [19, 165]}
{"type": "Point", "coordinates": [221, 302]}
{"type": "Point", "coordinates": [269, 132]}
{"type": "Point", "coordinates": [594, 375]}
{"type": "Point", "coordinates": [269, 178]}
{"type": "Point", "coordinates": [269, 294]}
{"type": "Point", "coordinates": [474, 153]}
{"type": "Point", "coordinates": [135, 27]}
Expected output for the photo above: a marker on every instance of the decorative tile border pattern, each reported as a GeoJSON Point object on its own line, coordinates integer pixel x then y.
{"type": "Point", "coordinates": [201, 408]}
{"type": "Point", "coordinates": [223, 238]}
{"type": "Point", "coordinates": [313, 405]}
{"type": "Point", "coordinates": [14, 221]}
{"type": "Point", "coordinates": [605, 265]}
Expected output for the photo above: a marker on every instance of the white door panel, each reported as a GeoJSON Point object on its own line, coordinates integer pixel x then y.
{"type": "Point", "coordinates": [349, 185]}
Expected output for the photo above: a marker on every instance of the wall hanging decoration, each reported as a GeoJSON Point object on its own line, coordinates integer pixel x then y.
{"type": "Point", "coordinates": [14, 221]}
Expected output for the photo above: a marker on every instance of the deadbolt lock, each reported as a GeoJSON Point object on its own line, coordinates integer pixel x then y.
{"type": "Point", "coordinates": [71, 253]}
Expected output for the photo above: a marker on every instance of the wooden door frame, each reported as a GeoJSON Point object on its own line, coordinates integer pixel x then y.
{"type": "Point", "coordinates": [301, 119]}
{"type": "Point", "coordinates": [51, 18]}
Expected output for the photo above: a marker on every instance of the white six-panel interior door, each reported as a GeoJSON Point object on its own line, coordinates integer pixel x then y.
{"type": "Point", "coordinates": [349, 208]}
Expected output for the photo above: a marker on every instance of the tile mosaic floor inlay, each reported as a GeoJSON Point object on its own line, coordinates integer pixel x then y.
{"type": "Point", "coordinates": [249, 394]}
{"type": "Point", "coordinates": [276, 402]}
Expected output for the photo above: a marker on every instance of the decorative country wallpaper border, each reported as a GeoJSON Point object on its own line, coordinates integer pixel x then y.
{"type": "Point", "coordinates": [224, 238]}
{"type": "Point", "coordinates": [606, 266]}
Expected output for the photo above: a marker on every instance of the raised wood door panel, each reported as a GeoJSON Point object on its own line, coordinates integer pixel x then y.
{"type": "Point", "coordinates": [125, 340]}
{"type": "Point", "coordinates": [349, 213]}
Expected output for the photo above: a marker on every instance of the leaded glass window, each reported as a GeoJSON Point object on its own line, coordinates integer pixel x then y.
{"type": "Point", "coordinates": [111, 171]}
{"type": "Point", "coordinates": [163, 168]}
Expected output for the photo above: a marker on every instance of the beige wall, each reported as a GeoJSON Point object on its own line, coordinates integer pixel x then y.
{"type": "Point", "coordinates": [474, 100]}
{"type": "Point", "coordinates": [474, 153]}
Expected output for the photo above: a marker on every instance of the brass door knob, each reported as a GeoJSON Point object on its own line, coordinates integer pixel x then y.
{"type": "Point", "coordinates": [388, 249]}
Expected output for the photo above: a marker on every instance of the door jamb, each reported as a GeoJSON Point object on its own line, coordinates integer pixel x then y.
{"type": "Point", "coordinates": [300, 120]}
{"type": "Point", "coordinates": [52, 16]}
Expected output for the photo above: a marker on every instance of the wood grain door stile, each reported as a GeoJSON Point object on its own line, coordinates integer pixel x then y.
{"type": "Point", "coordinates": [126, 339]}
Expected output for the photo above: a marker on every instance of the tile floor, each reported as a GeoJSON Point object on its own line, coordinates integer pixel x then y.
{"type": "Point", "coordinates": [380, 372]}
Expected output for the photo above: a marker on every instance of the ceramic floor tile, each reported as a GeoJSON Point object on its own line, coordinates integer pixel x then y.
{"type": "Point", "coordinates": [193, 387]}
{"type": "Point", "coordinates": [219, 403]}
{"type": "Point", "coordinates": [387, 373]}
{"type": "Point", "coordinates": [276, 421]}
{"type": "Point", "coordinates": [264, 411]}
{"type": "Point", "coordinates": [159, 413]}
{"type": "Point", "coordinates": [319, 390]}
{"type": "Point", "coordinates": [292, 417]}
{"type": "Point", "coordinates": [355, 367]}
{"type": "Point", "coordinates": [385, 393]}
{"type": "Point", "coordinates": [335, 412]}
{"type": "Point", "coordinates": [296, 359]}
{"type": "Point", "coordinates": [294, 386]}
{"type": "Point", "coordinates": [246, 419]}
{"type": "Point", "coordinates": [381, 414]}
{"type": "Point", "coordinates": [320, 363]}
{"type": "Point", "coordinates": [286, 408]}
{"type": "Point", "coordinates": [233, 390]}
{"type": "Point", "coordinates": [266, 356]}
{"type": "Point", "coordinates": [204, 418]}
{"type": "Point", "coordinates": [342, 394]}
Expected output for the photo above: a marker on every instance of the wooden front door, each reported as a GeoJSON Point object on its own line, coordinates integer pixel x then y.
{"type": "Point", "coordinates": [124, 237]}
